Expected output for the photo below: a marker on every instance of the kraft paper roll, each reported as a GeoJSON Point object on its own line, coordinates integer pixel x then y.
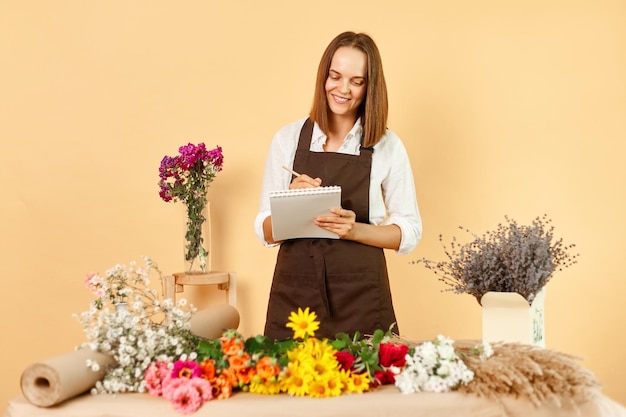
{"type": "Point", "coordinates": [211, 322]}
{"type": "Point", "coordinates": [55, 380]}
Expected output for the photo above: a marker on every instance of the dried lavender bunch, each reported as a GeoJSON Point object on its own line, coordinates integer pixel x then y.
{"type": "Point", "coordinates": [513, 258]}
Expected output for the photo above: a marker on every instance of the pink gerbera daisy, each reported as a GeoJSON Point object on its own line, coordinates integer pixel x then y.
{"type": "Point", "coordinates": [186, 369]}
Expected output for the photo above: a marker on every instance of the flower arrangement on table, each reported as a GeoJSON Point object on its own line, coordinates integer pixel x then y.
{"type": "Point", "coordinates": [305, 366]}
{"type": "Point", "coordinates": [513, 258]}
{"type": "Point", "coordinates": [186, 177]}
{"type": "Point", "coordinates": [155, 351]}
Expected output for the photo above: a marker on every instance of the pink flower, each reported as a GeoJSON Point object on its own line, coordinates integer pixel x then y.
{"type": "Point", "coordinates": [93, 282]}
{"type": "Point", "coordinates": [186, 369]}
{"type": "Point", "coordinates": [187, 395]}
{"type": "Point", "coordinates": [156, 377]}
{"type": "Point", "coordinates": [184, 397]}
{"type": "Point", "coordinates": [203, 387]}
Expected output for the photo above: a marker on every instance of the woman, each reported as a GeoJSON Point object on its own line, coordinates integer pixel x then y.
{"type": "Point", "coordinates": [345, 142]}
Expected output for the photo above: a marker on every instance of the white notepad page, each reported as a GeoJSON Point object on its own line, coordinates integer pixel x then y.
{"type": "Point", "coordinates": [293, 211]}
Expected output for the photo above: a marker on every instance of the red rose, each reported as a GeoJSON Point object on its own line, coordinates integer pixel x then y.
{"type": "Point", "coordinates": [345, 359]}
{"type": "Point", "coordinates": [384, 377]}
{"type": "Point", "coordinates": [391, 354]}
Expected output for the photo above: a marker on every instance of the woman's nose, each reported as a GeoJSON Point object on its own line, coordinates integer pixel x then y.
{"type": "Point", "coordinates": [345, 87]}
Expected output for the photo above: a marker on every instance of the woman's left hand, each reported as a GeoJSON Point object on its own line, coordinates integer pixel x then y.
{"type": "Point", "coordinates": [342, 222]}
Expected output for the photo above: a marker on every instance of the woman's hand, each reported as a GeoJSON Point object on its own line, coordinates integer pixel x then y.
{"type": "Point", "coordinates": [342, 223]}
{"type": "Point", "coordinates": [304, 181]}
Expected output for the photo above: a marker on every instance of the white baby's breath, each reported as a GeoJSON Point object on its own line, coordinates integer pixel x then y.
{"type": "Point", "coordinates": [148, 329]}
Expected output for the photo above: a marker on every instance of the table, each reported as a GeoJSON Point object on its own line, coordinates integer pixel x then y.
{"type": "Point", "coordinates": [383, 402]}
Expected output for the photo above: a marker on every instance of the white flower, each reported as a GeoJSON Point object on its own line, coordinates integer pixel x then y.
{"type": "Point", "coordinates": [486, 351]}
{"type": "Point", "coordinates": [404, 383]}
{"type": "Point", "coordinates": [446, 351]}
{"type": "Point", "coordinates": [467, 376]}
{"type": "Point", "coordinates": [443, 370]}
{"type": "Point", "coordinates": [433, 367]}
{"type": "Point", "coordinates": [435, 384]}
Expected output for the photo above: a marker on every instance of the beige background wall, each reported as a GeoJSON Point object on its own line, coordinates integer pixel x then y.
{"type": "Point", "coordinates": [506, 107]}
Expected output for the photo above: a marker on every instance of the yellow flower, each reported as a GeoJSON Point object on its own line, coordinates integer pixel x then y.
{"type": "Point", "coordinates": [326, 363]}
{"type": "Point", "coordinates": [359, 382]}
{"type": "Point", "coordinates": [297, 380]}
{"type": "Point", "coordinates": [319, 388]}
{"type": "Point", "coordinates": [334, 384]}
{"type": "Point", "coordinates": [344, 377]}
{"type": "Point", "coordinates": [303, 323]}
{"type": "Point", "coordinates": [265, 387]}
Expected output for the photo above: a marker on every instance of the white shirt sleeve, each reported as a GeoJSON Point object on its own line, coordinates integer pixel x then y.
{"type": "Point", "coordinates": [282, 152]}
{"type": "Point", "coordinates": [394, 202]}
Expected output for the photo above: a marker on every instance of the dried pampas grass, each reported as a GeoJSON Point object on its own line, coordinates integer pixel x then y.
{"type": "Point", "coordinates": [539, 375]}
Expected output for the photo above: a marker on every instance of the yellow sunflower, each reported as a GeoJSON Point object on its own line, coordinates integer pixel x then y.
{"type": "Point", "coordinates": [303, 323]}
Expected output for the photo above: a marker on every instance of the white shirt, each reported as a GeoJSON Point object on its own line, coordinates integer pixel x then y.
{"type": "Point", "coordinates": [392, 189]}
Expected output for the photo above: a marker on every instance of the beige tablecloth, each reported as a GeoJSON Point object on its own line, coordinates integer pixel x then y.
{"type": "Point", "coordinates": [385, 401]}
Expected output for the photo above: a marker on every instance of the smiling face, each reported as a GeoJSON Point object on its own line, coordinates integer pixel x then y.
{"type": "Point", "coordinates": [347, 82]}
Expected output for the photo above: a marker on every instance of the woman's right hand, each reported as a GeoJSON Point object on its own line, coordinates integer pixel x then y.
{"type": "Point", "coordinates": [304, 181]}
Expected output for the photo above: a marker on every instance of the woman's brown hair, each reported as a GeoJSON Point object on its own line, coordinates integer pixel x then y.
{"type": "Point", "coordinates": [373, 111]}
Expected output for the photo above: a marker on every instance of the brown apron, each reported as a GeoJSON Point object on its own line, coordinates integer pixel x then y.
{"type": "Point", "coordinates": [344, 282]}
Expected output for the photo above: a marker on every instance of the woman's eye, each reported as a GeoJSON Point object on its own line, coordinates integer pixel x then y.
{"type": "Point", "coordinates": [358, 83]}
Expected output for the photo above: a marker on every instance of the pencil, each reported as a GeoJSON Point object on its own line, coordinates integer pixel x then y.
{"type": "Point", "coordinates": [291, 170]}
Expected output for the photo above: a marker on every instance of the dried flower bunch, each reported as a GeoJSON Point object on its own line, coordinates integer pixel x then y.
{"type": "Point", "coordinates": [513, 258]}
{"type": "Point", "coordinates": [539, 375]}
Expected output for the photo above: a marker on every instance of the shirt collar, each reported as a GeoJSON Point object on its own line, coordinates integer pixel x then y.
{"type": "Point", "coordinates": [319, 137]}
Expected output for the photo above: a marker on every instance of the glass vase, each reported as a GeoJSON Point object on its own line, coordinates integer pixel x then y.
{"type": "Point", "coordinates": [197, 237]}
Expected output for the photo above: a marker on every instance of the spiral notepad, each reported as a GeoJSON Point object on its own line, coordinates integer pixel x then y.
{"type": "Point", "coordinates": [293, 211]}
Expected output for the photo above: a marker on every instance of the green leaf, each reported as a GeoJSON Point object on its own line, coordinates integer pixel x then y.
{"type": "Point", "coordinates": [377, 337]}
